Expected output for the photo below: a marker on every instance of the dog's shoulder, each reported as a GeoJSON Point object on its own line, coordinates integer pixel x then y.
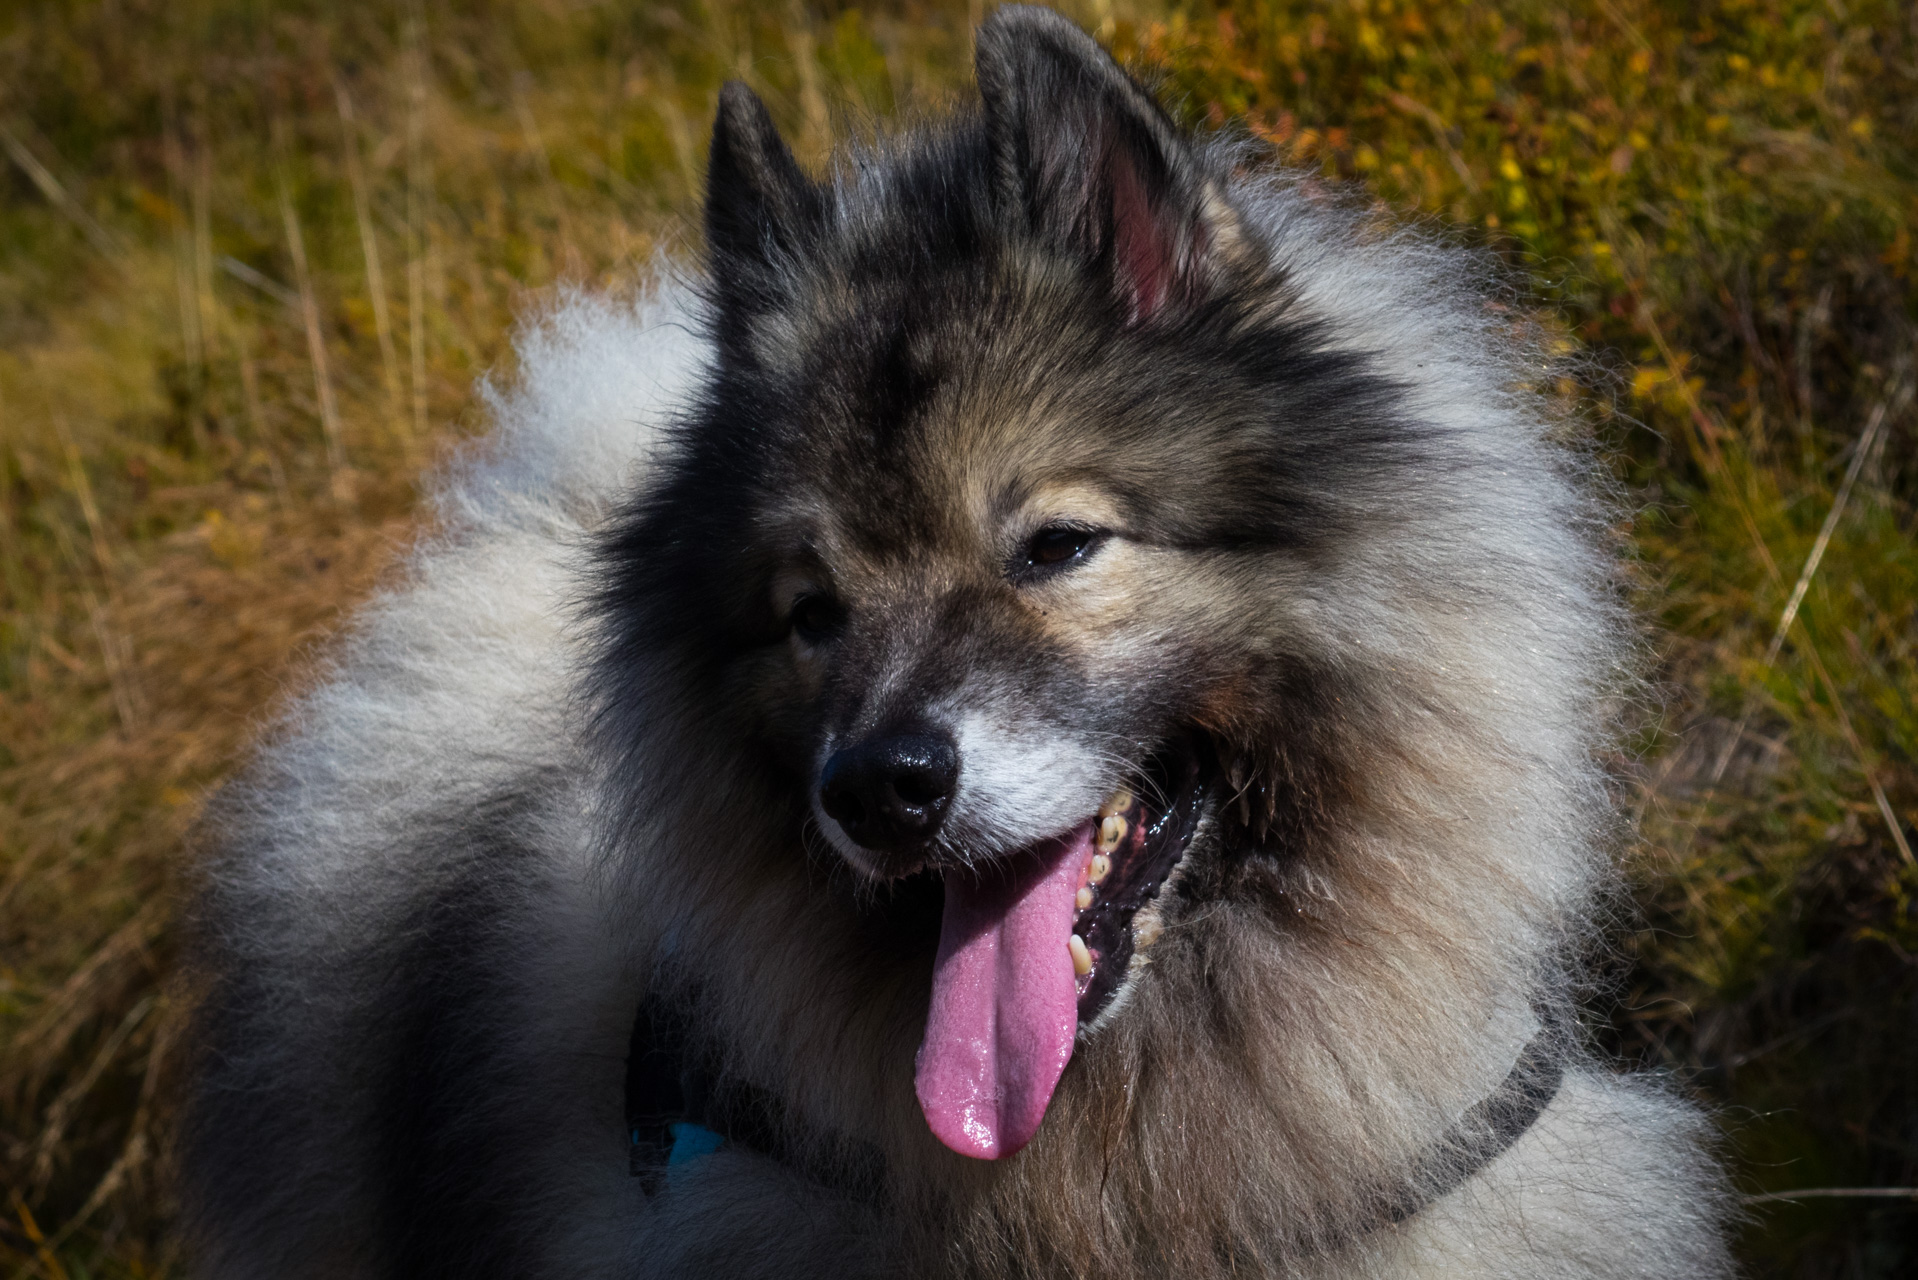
{"type": "Point", "coordinates": [396, 918]}
{"type": "Point", "coordinates": [445, 701]}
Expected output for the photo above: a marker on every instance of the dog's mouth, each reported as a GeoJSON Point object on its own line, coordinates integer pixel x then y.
{"type": "Point", "coordinates": [1136, 847]}
{"type": "Point", "coordinates": [1036, 945]}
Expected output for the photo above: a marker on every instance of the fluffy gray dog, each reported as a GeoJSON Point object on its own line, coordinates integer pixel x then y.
{"type": "Point", "coordinates": [1038, 720]}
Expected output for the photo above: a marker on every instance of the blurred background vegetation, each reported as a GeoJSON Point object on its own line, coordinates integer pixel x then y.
{"type": "Point", "coordinates": [253, 255]}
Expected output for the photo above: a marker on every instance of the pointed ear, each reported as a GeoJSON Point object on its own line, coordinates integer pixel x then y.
{"type": "Point", "coordinates": [1085, 158]}
{"type": "Point", "coordinates": [759, 204]}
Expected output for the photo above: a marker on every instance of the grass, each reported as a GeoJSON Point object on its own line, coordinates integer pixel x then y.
{"type": "Point", "coordinates": [251, 260]}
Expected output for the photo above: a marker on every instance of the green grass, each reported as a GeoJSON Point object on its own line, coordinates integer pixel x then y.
{"type": "Point", "coordinates": [204, 460]}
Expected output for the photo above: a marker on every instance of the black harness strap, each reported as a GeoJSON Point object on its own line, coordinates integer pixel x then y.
{"type": "Point", "coordinates": [655, 1090]}
{"type": "Point", "coordinates": [671, 1081]}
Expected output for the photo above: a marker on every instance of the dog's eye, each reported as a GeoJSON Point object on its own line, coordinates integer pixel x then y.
{"type": "Point", "coordinates": [816, 617]}
{"type": "Point", "coordinates": [1053, 548]}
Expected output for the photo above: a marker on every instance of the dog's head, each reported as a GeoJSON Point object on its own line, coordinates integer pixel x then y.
{"type": "Point", "coordinates": [1022, 534]}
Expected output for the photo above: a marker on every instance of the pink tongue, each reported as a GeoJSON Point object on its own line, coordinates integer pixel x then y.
{"type": "Point", "coordinates": [1005, 1005]}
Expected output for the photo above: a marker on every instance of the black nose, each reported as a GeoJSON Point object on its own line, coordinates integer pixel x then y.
{"type": "Point", "coordinates": [890, 791]}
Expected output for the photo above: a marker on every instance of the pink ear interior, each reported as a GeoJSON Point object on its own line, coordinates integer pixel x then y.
{"type": "Point", "coordinates": [1155, 251]}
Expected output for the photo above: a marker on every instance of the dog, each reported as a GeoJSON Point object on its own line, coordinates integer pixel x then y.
{"type": "Point", "coordinates": [1039, 715]}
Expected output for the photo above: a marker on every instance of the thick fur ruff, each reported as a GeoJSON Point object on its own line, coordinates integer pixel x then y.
{"type": "Point", "coordinates": [569, 762]}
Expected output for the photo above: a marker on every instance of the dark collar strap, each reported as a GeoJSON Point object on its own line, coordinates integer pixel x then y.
{"type": "Point", "coordinates": [1491, 1125]}
{"type": "Point", "coordinates": [670, 1082]}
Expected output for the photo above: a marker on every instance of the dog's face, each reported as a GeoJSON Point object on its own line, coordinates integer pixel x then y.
{"type": "Point", "coordinates": [1002, 534]}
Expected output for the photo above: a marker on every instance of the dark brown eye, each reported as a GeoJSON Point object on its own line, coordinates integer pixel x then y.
{"type": "Point", "coordinates": [816, 617]}
{"type": "Point", "coordinates": [1054, 548]}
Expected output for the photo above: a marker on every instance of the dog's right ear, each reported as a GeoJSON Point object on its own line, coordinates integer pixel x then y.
{"type": "Point", "coordinates": [760, 206]}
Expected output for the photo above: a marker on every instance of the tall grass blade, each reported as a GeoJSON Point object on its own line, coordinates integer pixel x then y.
{"type": "Point", "coordinates": [99, 237]}
{"type": "Point", "coordinates": [370, 252]}
{"type": "Point", "coordinates": [315, 336]}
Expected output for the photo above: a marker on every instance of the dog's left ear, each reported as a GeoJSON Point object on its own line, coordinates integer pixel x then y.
{"type": "Point", "coordinates": [1086, 160]}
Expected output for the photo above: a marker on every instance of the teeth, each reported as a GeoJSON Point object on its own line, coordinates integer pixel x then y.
{"type": "Point", "coordinates": [1111, 832]}
{"type": "Point", "coordinates": [1084, 899]}
{"type": "Point", "coordinates": [1101, 868]}
{"type": "Point", "coordinates": [1118, 802]}
{"type": "Point", "coordinates": [1081, 958]}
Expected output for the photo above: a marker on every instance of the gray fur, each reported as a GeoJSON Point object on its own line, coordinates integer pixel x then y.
{"type": "Point", "coordinates": [470, 852]}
